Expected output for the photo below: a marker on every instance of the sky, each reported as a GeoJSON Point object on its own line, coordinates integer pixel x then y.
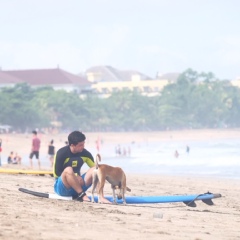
{"type": "Point", "coordinates": [149, 36]}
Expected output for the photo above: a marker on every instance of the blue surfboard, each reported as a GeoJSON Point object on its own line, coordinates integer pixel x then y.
{"type": "Point", "coordinates": [187, 199]}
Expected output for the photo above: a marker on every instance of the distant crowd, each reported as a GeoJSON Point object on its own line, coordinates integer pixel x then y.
{"type": "Point", "coordinates": [122, 151]}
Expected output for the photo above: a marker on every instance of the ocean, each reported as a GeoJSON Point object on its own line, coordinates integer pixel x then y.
{"type": "Point", "coordinates": [218, 158]}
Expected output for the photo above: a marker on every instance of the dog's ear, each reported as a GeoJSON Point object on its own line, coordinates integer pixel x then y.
{"type": "Point", "coordinates": [128, 189]}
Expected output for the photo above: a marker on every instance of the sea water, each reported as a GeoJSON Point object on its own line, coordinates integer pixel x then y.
{"type": "Point", "coordinates": [218, 158]}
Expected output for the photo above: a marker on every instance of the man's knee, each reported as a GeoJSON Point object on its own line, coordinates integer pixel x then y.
{"type": "Point", "coordinates": [88, 177]}
{"type": "Point", "coordinates": [68, 170]}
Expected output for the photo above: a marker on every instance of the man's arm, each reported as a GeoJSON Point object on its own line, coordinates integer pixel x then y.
{"type": "Point", "coordinates": [88, 161]}
{"type": "Point", "coordinates": [57, 165]}
{"type": "Point", "coordinates": [88, 158]}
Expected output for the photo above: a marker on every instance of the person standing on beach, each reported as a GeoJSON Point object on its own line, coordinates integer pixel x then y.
{"type": "Point", "coordinates": [67, 166]}
{"type": "Point", "coordinates": [35, 149]}
{"type": "Point", "coordinates": [176, 154]}
{"type": "Point", "coordinates": [51, 152]}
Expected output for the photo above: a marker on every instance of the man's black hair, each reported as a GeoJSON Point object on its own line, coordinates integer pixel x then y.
{"type": "Point", "coordinates": [75, 137]}
{"type": "Point", "coordinates": [34, 132]}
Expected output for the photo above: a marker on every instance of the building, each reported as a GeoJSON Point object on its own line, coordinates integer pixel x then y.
{"type": "Point", "coordinates": [7, 80]}
{"type": "Point", "coordinates": [56, 78]}
{"type": "Point", "coordinates": [100, 80]}
{"type": "Point", "coordinates": [106, 80]}
{"type": "Point", "coordinates": [236, 82]}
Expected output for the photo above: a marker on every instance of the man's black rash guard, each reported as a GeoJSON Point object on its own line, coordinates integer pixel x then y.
{"type": "Point", "coordinates": [65, 158]}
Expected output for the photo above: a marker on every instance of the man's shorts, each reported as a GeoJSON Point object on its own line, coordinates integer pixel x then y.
{"type": "Point", "coordinates": [36, 153]}
{"type": "Point", "coordinates": [61, 190]}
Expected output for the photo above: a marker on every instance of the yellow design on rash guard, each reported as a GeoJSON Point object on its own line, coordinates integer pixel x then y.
{"type": "Point", "coordinates": [88, 161]}
{"type": "Point", "coordinates": [67, 159]}
{"type": "Point", "coordinates": [74, 164]}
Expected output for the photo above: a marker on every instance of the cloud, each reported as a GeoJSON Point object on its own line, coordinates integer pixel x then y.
{"type": "Point", "coordinates": [35, 56]}
{"type": "Point", "coordinates": [107, 44]}
{"type": "Point", "coordinates": [103, 46]}
{"type": "Point", "coordinates": [156, 50]}
{"type": "Point", "coordinates": [228, 50]}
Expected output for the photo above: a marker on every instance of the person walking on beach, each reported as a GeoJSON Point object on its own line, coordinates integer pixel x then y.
{"type": "Point", "coordinates": [51, 152]}
{"type": "Point", "coordinates": [35, 149]}
{"type": "Point", "coordinates": [187, 149]}
{"type": "Point", "coordinates": [67, 166]}
{"type": "Point", "coordinates": [176, 154]}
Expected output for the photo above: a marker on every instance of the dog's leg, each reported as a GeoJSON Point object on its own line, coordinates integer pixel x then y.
{"type": "Point", "coordinates": [94, 183]}
{"type": "Point", "coordinates": [100, 194]}
{"type": "Point", "coordinates": [124, 188]}
{"type": "Point", "coordinates": [114, 194]}
{"type": "Point", "coordinates": [101, 183]}
{"type": "Point", "coordinates": [123, 196]}
{"type": "Point", "coordinates": [95, 178]}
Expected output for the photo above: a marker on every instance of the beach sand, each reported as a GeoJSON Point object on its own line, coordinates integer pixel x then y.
{"type": "Point", "coordinates": [24, 216]}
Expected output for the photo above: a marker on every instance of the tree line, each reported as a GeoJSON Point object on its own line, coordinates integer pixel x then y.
{"type": "Point", "coordinates": [195, 100]}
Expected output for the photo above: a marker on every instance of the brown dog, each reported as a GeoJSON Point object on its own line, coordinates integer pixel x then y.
{"type": "Point", "coordinates": [114, 175]}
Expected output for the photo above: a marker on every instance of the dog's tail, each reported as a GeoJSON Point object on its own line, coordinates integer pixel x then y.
{"type": "Point", "coordinates": [98, 159]}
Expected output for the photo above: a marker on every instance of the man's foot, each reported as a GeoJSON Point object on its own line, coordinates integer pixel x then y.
{"type": "Point", "coordinates": [82, 197]}
{"type": "Point", "coordinates": [86, 199]}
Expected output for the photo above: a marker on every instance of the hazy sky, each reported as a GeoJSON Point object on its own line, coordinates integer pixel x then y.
{"type": "Point", "coordinates": [146, 35]}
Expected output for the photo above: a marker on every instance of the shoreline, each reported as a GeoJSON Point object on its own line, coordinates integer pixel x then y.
{"type": "Point", "coordinates": [139, 143]}
{"type": "Point", "coordinates": [199, 176]}
{"type": "Point", "coordinates": [22, 142]}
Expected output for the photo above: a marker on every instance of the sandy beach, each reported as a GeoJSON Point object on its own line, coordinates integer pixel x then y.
{"type": "Point", "coordinates": [24, 216]}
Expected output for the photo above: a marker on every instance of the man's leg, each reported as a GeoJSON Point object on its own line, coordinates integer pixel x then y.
{"type": "Point", "coordinates": [31, 165]}
{"type": "Point", "coordinates": [70, 180]}
{"type": "Point", "coordinates": [37, 157]}
{"type": "Point", "coordinates": [30, 159]}
{"type": "Point", "coordinates": [39, 164]}
{"type": "Point", "coordinates": [88, 177]}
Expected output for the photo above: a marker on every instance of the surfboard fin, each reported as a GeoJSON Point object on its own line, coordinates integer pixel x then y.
{"type": "Point", "coordinates": [208, 202]}
{"type": "Point", "coordinates": [190, 204]}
